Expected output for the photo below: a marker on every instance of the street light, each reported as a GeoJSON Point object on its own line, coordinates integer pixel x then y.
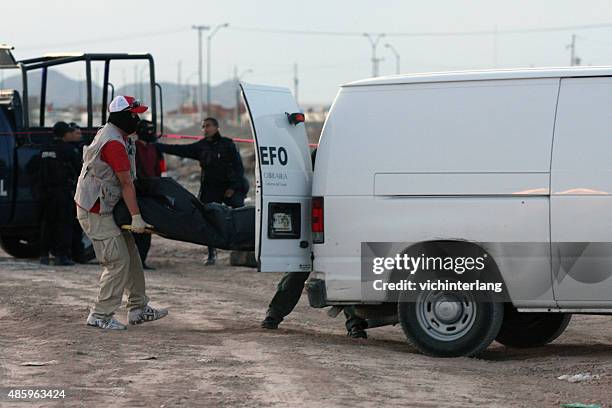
{"type": "Point", "coordinates": [397, 57]}
{"type": "Point", "coordinates": [187, 93]}
{"type": "Point", "coordinates": [209, 62]}
{"type": "Point", "coordinates": [374, 39]}
{"type": "Point", "coordinates": [238, 78]}
{"type": "Point", "coordinates": [200, 28]}
{"type": "Point", "coordinates": [141, 74]}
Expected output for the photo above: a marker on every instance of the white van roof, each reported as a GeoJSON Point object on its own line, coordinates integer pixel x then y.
{"type": "Point", "coordinates": [485, 75]}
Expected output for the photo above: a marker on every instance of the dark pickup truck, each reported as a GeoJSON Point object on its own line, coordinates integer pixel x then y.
{"type": "Point", "coordinates": [24, 131]}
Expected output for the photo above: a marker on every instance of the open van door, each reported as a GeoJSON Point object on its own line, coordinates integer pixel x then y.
{"type": "Point", "coordinates": [283, 186]}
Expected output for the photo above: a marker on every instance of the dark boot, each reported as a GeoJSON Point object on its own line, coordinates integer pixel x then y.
{"type": "Point", "coordinates": [357, 333]}
{"type": "Point", "coordinates": [355, 325]}
{"type": "Point", "coordinates": [271, 322]}
{"type": "Point", "coordinates": [212, 256]}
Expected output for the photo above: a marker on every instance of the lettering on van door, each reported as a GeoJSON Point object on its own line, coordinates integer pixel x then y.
{"type": "Point", "coordinates": [272, 155]}
{"type": "Point", "coordinates": [276, 157]}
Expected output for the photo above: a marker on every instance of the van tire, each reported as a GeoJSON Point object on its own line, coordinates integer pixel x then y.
{"type": "Point", "coordinates": [524, 330]}
{"type": "Point", "coordinates": [486, 322]}
{"type": "Point", "coordinates": [20, 247]}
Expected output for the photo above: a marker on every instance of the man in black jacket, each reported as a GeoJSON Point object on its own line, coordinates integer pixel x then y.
{"type": "Point", "coordinates": [60, 165]}
{"type": "Point", "coordinates": [222, 179]}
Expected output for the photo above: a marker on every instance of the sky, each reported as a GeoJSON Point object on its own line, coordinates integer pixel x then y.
{"type": "Point", "coordinates": [324, 38]}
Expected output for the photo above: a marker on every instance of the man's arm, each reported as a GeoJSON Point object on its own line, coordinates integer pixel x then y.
{"type": "Point", "coordinates": [189, 151]}
{"type": "Point", "coordinates": [128, 192]}
{"type": "Point", "coordinates": [115, 154]}
{"type": "Point", "coordinates": [129, 197]}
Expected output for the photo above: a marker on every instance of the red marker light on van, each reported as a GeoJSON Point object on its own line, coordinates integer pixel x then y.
{"type": "Point", "coordinates": [295, 118]}
{"type": "Point", "coordinates": [318, 226]}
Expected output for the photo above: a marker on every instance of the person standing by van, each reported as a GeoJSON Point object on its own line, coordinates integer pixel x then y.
{"type": "Point", "coordinates": [222, 179]}
{"type": "Point", "coordinates": [288, 293]}
{"type": "Point", "coordinates": [106, 177]}
{"type": "Point", "coordinates": [77, 250]}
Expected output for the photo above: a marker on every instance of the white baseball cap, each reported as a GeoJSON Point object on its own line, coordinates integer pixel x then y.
{"type": "Point", "coordinates": [126, 103]}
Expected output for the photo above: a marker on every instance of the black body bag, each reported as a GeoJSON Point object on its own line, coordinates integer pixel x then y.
{"type": "Point", "coordinates": [177, 214]}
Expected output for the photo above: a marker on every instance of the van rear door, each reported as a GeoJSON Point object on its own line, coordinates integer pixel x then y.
{"type": "Point", "coordinates": [283, 186]}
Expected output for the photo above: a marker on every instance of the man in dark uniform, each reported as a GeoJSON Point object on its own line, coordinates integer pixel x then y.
{"type": "Point", "coordinates": [222, 179]}
{"type": "Point", "coordinates": [288, 293]}
{"type": "Point", "coordinates": [59, 168]}
{"type": "Point", "coordinates": [77, 250]}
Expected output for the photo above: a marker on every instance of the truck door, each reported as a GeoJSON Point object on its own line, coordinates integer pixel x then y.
{"type": "Point", "coordinates": [581, 194]}
{"type": "Point", "coordinates": [283, 186]}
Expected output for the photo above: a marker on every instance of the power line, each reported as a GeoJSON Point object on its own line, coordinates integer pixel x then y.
{"type": "Point", "coordinates": [426, 34]}
{"type": "Point", "coordinates": [184, 29]}
{"type": "Point", "coordinates": [99, 40]}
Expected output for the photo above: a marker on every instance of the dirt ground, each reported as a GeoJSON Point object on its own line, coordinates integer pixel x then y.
{"type": "Point", "coordinates": [211, 352]}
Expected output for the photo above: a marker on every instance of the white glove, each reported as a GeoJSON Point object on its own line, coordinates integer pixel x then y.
{"type": "Point", "coordinates": [138, 224]}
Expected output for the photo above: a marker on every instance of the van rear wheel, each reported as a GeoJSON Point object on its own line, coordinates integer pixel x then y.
{"type": "Point", "coordinates": [524, 330]}
{"type": "Point", "coordinates": [450, 324]}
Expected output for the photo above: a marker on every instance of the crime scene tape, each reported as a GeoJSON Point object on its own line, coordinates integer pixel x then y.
{"type": "Point", "coordinates": [235, 139]}
{"type": "Point", "coordinates": [167, 136]}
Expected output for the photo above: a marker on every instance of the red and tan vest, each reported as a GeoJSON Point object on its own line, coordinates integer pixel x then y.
{"type": "Point", "coordinates": [97, 179]}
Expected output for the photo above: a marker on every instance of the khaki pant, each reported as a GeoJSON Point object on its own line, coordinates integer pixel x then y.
{"type": "Point", "coordinates": [117, 253]}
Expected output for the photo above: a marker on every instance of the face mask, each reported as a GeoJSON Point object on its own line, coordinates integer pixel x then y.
{"type": "Point", "coordinates": [126, 121]}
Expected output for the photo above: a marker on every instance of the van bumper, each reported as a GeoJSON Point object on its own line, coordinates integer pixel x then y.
{"type": "Point", "coordinates": [317, 295]}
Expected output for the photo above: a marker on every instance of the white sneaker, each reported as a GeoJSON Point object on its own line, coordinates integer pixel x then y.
{"type": "Point", "coordinates": [108, 324]}
{"type": "Point", "coordinates": [146, 314]}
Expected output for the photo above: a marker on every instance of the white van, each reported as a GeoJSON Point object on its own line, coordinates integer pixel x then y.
{"type": "Point", "coordinates": [518, 162]}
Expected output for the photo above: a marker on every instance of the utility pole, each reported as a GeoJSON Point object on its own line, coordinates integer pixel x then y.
{"type": "Point", "coordinates": [179, 87]}
{"type": "Point", "coordinates": [574, 60]}
{"type": "Point", "coordinates": [200, 28]}
{"type": "Point", "coordinates": [209, 63]}
{"type": "Point", "coordinates": [141, 87]}
{"type": "Point", "coordinates": [178, 75]}
{"type": "Point", "coordinates": [374, 39]}
{"type": "Point", "coordinates": [397, 58]}
{"type": "Point", "coordinates": [296, 82]}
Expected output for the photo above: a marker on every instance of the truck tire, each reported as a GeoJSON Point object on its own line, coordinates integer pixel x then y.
{"type": "Point", "coordinates": [450, 324]}
{"type": "Point", "coordinates": [20, 247]}
{"type": "Point", "coordinates": [524, 330]}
